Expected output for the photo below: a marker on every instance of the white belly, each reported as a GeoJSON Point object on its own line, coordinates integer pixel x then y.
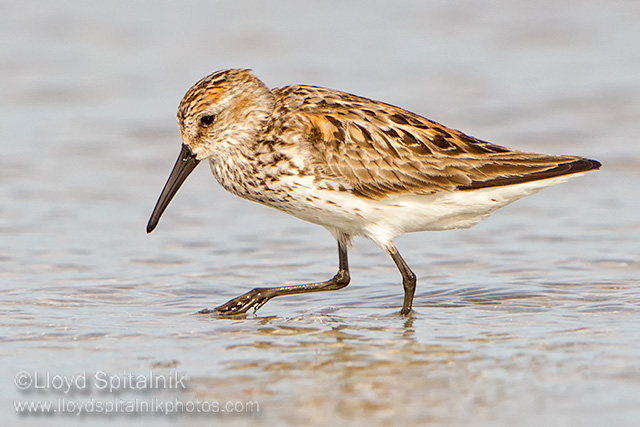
{"type": "Point", "coordinates": [383, 220]}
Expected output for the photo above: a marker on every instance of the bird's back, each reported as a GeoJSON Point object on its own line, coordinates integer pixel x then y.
{"type": "Point", "coordinates": [377, 150]}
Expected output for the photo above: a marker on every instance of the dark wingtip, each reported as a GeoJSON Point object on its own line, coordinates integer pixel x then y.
{"type": "Point", "coordinates": [576, 166]}
{"type": "Point", "coordinates": [150, 227]}
{"type": "Point", "coordinates": [580, 165]}
{"type": "Point", "coordinates": [593, 164]}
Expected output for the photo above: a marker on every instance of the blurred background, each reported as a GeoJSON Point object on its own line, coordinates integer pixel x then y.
{"type": "Point", "coordinates": [530, 317]}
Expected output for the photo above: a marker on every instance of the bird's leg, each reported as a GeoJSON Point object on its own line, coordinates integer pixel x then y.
{"type": "Point", "coordinates": [259, 296]}
{"type": "Point", "coordinates": [408, 278]}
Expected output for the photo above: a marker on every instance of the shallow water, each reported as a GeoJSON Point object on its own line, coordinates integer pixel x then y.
{"type": "Point", "coordinates": [532, 317]}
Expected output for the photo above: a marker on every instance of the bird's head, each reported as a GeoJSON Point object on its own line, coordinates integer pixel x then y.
{"type": "Point", "coordinates": [218, 114]}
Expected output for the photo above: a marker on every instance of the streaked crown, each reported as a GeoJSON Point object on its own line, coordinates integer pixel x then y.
{"type": "Point", "coordinates": [223, 109]}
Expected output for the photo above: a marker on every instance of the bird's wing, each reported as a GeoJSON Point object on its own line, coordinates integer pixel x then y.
{"type": "Point", "coordinates": [378, 149]}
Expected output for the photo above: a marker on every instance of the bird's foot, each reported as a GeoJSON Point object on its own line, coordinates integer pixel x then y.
{"type": "Point", "coordinates": [255, 298]}
{"type": "Point", "coordinates": [406, 312]}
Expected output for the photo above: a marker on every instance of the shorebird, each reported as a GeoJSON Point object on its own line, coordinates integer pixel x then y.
{"type": "Point", "coordinates": [355, 166]}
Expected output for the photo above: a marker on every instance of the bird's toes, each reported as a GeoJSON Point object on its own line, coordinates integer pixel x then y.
{"type": "Point", "coordinates": [239, 305]}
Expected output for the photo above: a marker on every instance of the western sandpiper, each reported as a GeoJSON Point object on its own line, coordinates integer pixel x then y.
{"type": "Point", "coordinates": [355, 166]}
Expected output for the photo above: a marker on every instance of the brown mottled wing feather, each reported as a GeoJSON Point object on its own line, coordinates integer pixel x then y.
{"type": "Point", "coordinates": [380, 149]}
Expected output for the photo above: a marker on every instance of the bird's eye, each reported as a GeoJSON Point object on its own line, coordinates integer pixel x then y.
{"type": "Point", "coordinates": [207, 120]}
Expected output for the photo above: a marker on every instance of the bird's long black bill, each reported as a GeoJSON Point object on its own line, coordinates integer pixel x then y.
{"type": "Point", "coordinates": [185, 164]}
